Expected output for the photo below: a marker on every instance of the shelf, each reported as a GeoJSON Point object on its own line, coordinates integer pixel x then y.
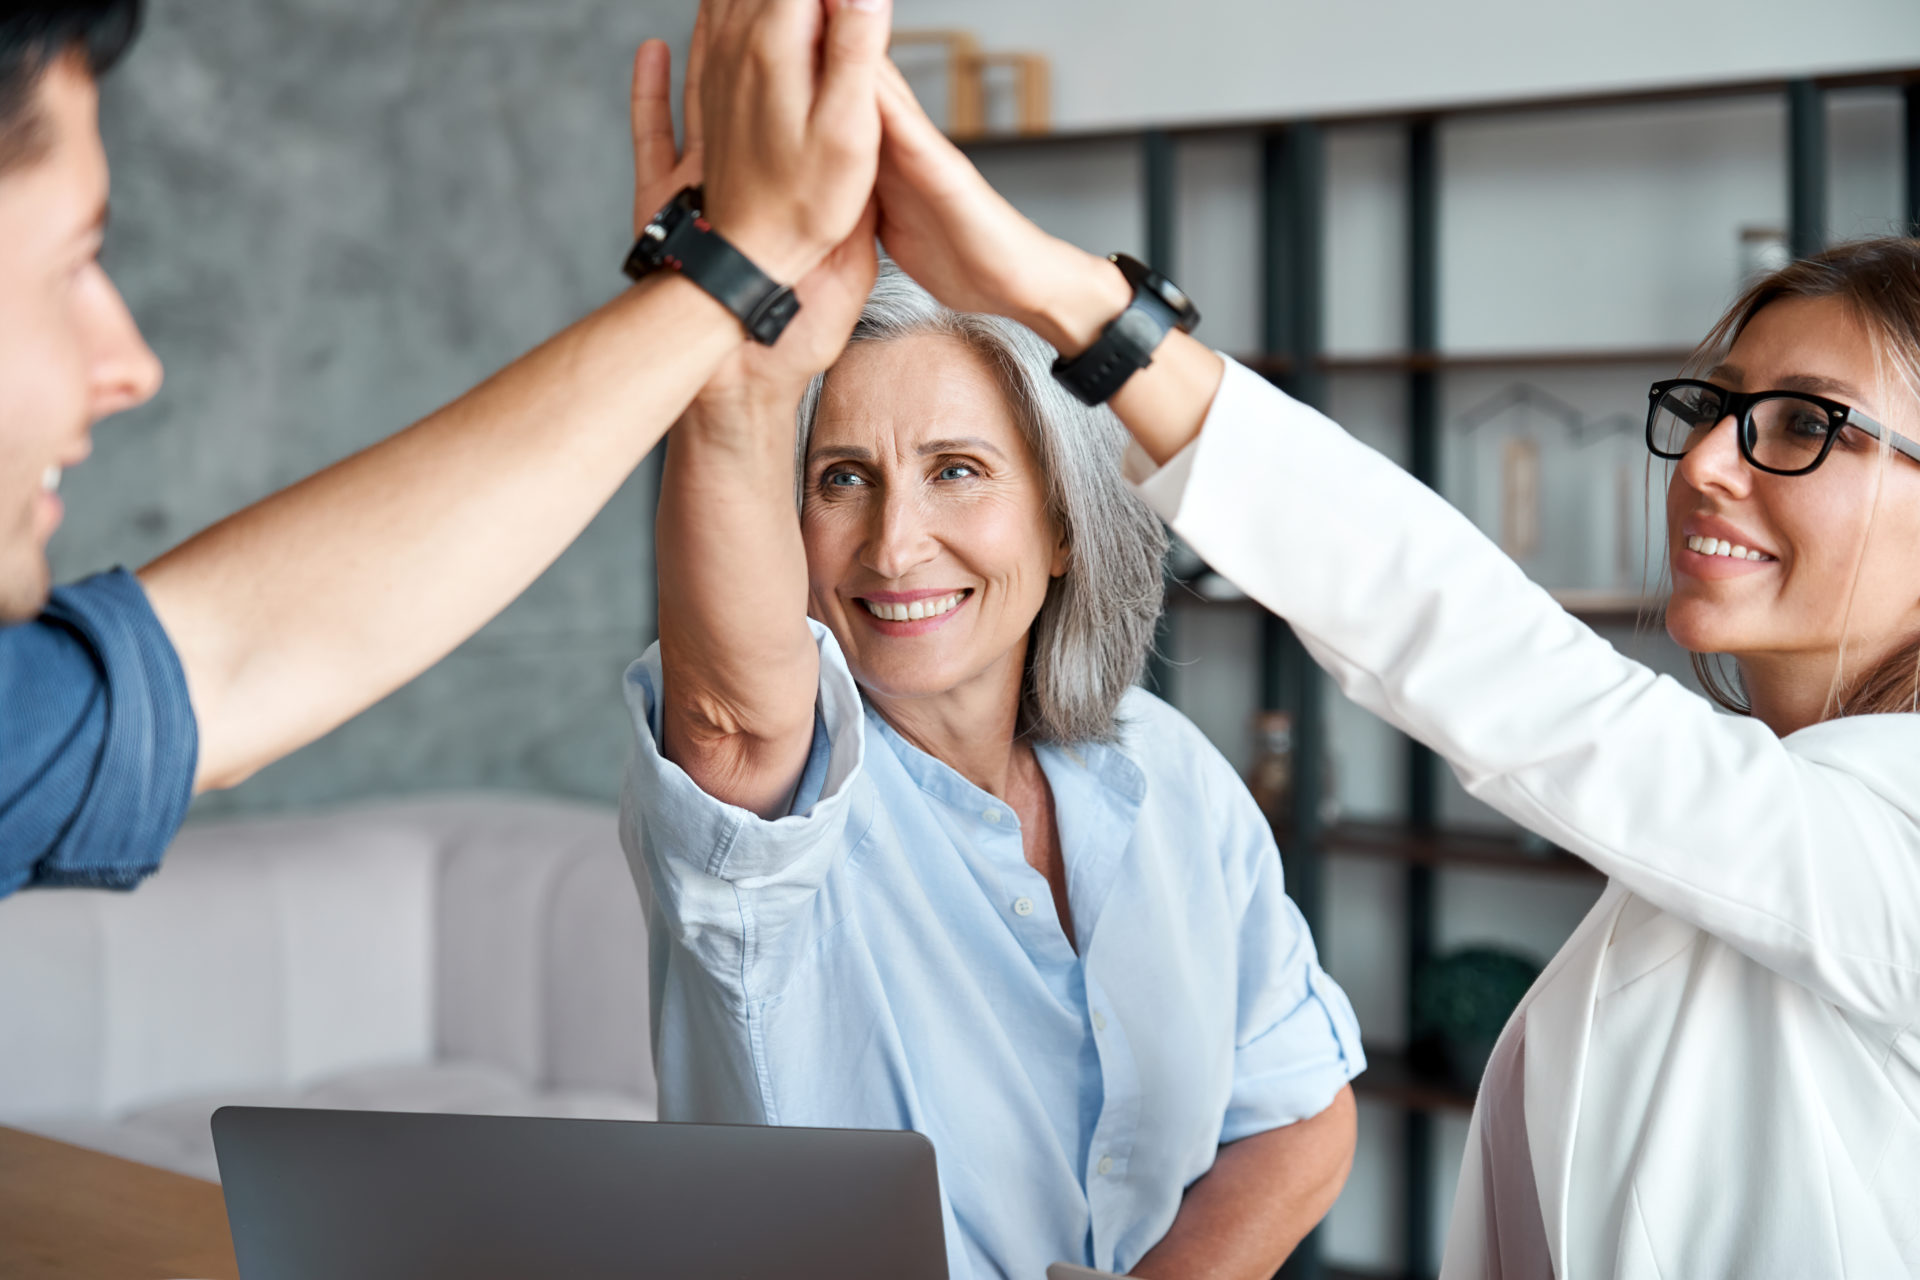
{"type": "Point", "coordinates": [1392, 1079]}
{"type": "Point", "coordinates": [1666, 358]}
{"type": "Point", "coordinates": [1596, 608]}
{"type": "Point", "coordinates": [1456, 850]}
{"type": "Point", "coordinates": [1650, 95]}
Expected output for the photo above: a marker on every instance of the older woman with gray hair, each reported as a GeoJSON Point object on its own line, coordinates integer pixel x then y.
{"type": "Point", "coordinates": [918, 854]}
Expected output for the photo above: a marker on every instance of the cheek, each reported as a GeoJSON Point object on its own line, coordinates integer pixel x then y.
{"type": "Point", "coordinates": [1893, 549]}
{"type": "Point", "coordinates": [828, 549]}
{"type": "Point", "coordinates": [1007, 542]}
{"type": "Point", "coordinates": [42, 368]}
{"type": "Point", "coordinates": [44, 410]}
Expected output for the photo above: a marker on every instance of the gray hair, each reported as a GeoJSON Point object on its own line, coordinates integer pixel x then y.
{"type": "Point", "coordinates": [1095, 627]}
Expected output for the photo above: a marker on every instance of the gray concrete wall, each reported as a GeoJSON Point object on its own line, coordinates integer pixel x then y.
{"type": "Point", "coordinates": [331, 216]}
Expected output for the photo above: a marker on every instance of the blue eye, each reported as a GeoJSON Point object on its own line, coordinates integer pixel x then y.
{"type": "Point", "coordinates": [958, 471]}
{"type": "Point", "coordinates": [841, 480]}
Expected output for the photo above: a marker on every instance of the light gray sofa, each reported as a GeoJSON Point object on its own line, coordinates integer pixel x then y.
{"type": "Point", "coordinates": [464, 953]}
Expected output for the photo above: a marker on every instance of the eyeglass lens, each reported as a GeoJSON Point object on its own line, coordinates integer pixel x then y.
{"type": "Point", "coordinates": [1785, 434]}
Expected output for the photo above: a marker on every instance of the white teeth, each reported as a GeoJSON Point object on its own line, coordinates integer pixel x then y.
{"type": "Point", "coordinates": [1721, 547]}
{"type": "Point", "coordinates": [50, 479]}
{"type": "Point", "coordinates": [916, 611]}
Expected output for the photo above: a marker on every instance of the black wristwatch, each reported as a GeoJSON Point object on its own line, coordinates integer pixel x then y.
{"type": "Point", "coordinates": [679, 239]}
{"type": "Point", "coordinates": [1127, 345]}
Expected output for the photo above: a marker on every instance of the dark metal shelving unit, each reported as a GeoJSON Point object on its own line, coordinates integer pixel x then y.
{"type": "Point", "coordinates": [1292, 188]}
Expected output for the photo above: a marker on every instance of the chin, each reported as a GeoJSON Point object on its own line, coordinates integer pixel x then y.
{"type": "Point", "coordinates": [1700, 627]}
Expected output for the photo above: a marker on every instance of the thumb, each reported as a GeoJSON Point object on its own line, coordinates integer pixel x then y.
{"type": "Point", "coordinates": [855, 47]}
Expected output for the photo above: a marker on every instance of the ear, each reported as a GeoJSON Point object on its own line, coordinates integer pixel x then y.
{"type": "Point", "coordinates": [1062, 555]}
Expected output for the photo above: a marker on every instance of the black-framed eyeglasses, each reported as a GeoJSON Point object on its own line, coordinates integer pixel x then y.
{"type": "Point", "coordinates": [1785, 433]}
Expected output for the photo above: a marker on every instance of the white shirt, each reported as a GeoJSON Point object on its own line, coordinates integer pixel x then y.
{"type": "Point", "coordinates": [1721, 1072]}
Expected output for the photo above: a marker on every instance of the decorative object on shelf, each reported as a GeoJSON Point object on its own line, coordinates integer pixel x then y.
{"type": "Point", "coordinates": [1271, 778]}
{"type": "Point", "coordinates": [1461, 1001]}
{"type": "Point", "coordinates": [1762, 250]}
{"type": "Point", "coordinates": [1568, 502]}
{"type": "Point", "coordinates": [1520, 497]}
{"type": "Point", "coordinates": [966, 67]}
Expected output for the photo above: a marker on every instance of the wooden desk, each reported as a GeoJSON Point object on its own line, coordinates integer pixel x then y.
{"type": "Point", "coordinates": [67, 1213]}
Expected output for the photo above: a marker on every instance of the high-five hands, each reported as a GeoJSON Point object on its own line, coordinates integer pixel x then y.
{"type": "Point", "coordinates": [810, 141]}
{"type": "Point", "coordinates": [790, 128]}
{"type": "Point", "coordinates": [833, 289]}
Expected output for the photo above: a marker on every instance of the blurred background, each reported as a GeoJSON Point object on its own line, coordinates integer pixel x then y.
{"type": "Point", "coordinates": [1471, 231]}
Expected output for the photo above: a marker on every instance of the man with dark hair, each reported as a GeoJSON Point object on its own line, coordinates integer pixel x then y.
{"type": "Point", "coordinates": [122, 695]}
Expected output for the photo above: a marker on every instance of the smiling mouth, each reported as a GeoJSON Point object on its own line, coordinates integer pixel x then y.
{"type": "Point", "coordinates": [932, 607]}
{"type": "Point", "coordinates": [1721, 547]}
{"type": "Point", "coordinates": [50, 478]}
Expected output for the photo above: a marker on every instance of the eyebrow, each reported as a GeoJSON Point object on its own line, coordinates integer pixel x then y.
{"type": "Point", "coordinates": [854, 453]}
{"type": "Point", "coordinates": [1807, 382]}
{"type": "Point", "coordinates": [959, 444]}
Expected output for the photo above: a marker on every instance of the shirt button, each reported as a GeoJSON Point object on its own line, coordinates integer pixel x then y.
{"type": "Point", "coordinates": [1105, 1166]}
{"type": "Point", "coordinates": [1023, 906]}
{"type": "Point", "coordinates": [1099, 1020]}
{"type": "Point", "coordinates": [991, 815]}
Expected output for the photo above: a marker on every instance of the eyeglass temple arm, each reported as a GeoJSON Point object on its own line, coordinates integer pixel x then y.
{"type": "Point", "coordinates": [1894, 439]}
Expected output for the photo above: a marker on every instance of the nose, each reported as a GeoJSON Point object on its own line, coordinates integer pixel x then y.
{"type": "Point", "coordinates": [899, 539]}
{"type": "Point", "coordinates": [1714, 462]}
{"type": "Point", "coordinates": [123, 372]}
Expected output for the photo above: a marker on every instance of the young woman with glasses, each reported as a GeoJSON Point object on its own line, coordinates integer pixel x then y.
{"type": "Point", "coordinates": [1718, 1075]}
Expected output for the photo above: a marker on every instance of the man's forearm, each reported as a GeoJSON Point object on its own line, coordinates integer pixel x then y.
{"type": "Point", "coordinates": [310, 605]}
{"type": "Point", "coordinates": [1242, 1218]}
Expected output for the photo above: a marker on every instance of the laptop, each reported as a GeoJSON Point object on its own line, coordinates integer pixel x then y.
{"type": "Point", "coordinates": [320, 1194]}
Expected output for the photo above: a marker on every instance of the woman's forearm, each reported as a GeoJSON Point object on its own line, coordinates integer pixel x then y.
{"type": "Point", "coordinates": [1244, 1216]}
{"type": "Point", "coordinates": [307, 607]}
{"type": "Point", "coordinates": [738, 662]}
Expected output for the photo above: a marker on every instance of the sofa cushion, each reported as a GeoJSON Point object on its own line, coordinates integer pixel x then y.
{"type": "Point", "coordinates": [177, 1135]}
{"type": "Point", "coordinates": [263, 953]}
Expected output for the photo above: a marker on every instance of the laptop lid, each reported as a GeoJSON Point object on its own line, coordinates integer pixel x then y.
{"type": "Point", "coordinates": [321, 1194]}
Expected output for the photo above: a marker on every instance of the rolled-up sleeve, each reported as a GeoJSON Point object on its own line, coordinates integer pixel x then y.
{"type": "Point", "coordinates": [98, 743]}
{"type": "Point", "coordinates": [1297, 1042]}
{"type": "Point", "coordinates": [725, 881]}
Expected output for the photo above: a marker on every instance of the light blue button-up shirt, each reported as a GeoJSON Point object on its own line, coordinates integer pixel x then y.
{"type": "Point", "coordinates": [885, 958]}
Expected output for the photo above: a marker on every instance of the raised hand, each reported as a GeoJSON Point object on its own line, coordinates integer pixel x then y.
{"type": "Point", "coordinates": [790, 128]}
{"type": "Point", "coordinates": [950, 230]}
{"type": "Point", "coordinates": [831, 295]}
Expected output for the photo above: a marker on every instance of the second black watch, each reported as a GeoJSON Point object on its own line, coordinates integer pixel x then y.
{"type": "Point", "coordinates": [679, 239]}
{"type": "Point", "coordinates": [1127, 345]}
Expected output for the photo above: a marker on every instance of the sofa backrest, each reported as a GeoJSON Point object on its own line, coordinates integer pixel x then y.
{"type": "Point", "coordinates": [276, 952]}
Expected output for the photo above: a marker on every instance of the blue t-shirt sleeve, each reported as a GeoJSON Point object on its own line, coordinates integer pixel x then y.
{"type": "Point", "coordinates": [98, 743]}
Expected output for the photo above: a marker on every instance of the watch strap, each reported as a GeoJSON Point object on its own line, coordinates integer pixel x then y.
{"type": "Point", "coordinates": [1126, 346]}
{"type": "Point", "coordinates": [679, 239]}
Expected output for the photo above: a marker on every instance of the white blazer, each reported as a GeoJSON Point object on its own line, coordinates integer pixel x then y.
{"type": "Point", "coordinates": [1722, 1075]}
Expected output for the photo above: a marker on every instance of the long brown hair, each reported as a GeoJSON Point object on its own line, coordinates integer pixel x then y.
{"type": "Point", "coordinates": [1879, 281]}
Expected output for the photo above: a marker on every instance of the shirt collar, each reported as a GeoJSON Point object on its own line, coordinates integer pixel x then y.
{"type": "Point", "coordinates": [1119, 777]}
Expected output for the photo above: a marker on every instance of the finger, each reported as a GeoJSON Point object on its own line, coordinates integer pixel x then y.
{"type": "Point", "coordinates": [696, 68]}
{"type": "Point", "coordinates": [654, 154]}
{"type": "Point", "coordinates": [855, 50]}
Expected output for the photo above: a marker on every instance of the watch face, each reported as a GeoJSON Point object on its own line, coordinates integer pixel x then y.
{"type": "Point", "coordinates": [1173, 295]}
